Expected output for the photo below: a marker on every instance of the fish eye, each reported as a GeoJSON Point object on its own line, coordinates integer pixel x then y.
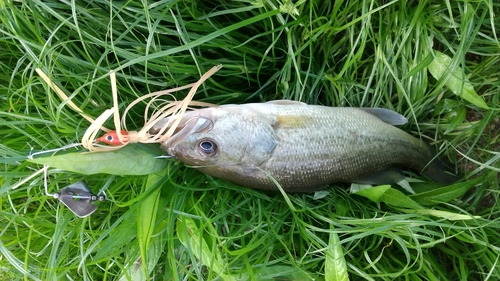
{"type": "Point", "coordinates": [109, 138]}
{"type": "Point", "coordinates": [207, 146]}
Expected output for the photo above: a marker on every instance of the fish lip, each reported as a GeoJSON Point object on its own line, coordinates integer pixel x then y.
{"type": "Point", "coordinates": [171, 151]}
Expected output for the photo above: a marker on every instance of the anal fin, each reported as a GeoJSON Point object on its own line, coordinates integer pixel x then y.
{"type": "Point", "coordinates": [388, 176]}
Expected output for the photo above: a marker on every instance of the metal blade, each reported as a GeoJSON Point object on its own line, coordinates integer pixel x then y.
{"type": "Point", "coordinates": [78, 197]}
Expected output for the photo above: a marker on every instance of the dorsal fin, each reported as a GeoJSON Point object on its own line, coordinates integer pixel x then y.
{"type": "Point", "coordinates": [287, 102]}
{"type": "Point", "coordinates": [386, 115]}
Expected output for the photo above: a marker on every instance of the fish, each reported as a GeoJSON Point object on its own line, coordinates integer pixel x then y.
{"type": "Point", "coordinates": [301, 147]}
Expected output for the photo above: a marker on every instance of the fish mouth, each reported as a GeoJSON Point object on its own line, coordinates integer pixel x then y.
{"type": "Point", "coordinates": [194, 125]}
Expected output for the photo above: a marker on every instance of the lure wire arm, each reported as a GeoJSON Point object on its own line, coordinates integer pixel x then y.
{"type": "Point", "coordinates": [77, 196]}
{"type": "Point", "coordinates": [31, 153]}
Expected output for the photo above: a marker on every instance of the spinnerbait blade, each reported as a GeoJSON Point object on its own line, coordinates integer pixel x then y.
{"type": "Point", "coordinates": [78, 198]}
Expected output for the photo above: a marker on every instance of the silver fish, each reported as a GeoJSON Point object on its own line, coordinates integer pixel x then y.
{"type": "Point", "coordinates": [302, 147]}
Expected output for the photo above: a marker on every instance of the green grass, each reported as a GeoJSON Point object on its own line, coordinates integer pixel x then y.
{"type": "Point", "coordinates": [183, 225]}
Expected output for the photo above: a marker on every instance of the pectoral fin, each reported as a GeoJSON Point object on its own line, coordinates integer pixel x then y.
{"type": "Point", "coordinates": [386, 115]}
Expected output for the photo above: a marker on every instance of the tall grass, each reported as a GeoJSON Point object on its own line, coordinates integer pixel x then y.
{"type": "Point", "coordinates": [183, 225]}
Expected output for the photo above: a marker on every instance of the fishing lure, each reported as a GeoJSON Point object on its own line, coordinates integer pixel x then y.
{"type": "Point", "coordinates": [112, 138]}
{"type": "Point", "coordinates": [78, 197]}
{"type": "Point", "coordinates": [121, 136]}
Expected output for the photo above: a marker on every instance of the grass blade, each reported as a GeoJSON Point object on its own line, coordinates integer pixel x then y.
{"type": "Point", "coordinates": [442, 68]}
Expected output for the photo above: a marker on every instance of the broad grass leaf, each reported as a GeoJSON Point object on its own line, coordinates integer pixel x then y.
{"type": "Point", "coordinates": [282, 272]}
{"type": "Point", "coordinates": [395, 198]}
{"type": "Point", "coordinates": [456, 80]}
{"type": "Point", "coordinates": [421, 66]}
{"type": "Point", "coordinates": [456, 118]}
{"type": "Point", "coordinates": [119, 237]}
{"type": "Point", "coordinates": [447, 106]}
{"type": "Point", "coordinates": [192, 237]}
{"type": "Point", "coordinates": [444, 194]}
{"type": "Point", "coordinates": [155, 250]}
{"type": "Point", "coordinates": [147, 213]}
{"type": "Point", "coordinates": [131, 160]}
{"type": "Point", "coordinates": [335, 264]}
{"type": "Point", "coordinates": [390, 196]}
{"type": "Point", "coordinates": [442, 214]}
{"type": "Point", "coordinates": [342, 209]}
{"type": "Point", "coordinates": [318, 195]}
{"type": "Point", "coordinates": [373, 193]}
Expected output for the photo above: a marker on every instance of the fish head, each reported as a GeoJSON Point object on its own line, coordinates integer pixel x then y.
{"type": "Point", "coordinates": [221, 138]}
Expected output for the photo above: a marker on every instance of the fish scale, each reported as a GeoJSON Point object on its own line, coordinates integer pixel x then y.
{"type": "Point", "coordinates": [303, 147]}
{"type": "Point", "coordinates": [352, 148]}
